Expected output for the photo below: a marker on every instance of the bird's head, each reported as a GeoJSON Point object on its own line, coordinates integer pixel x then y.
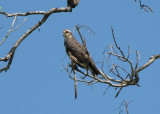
{"type": "Point", "coordinates": [67, 33]}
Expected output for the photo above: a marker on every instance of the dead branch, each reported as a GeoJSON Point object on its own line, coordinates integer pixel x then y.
{"type": "Point", "coordinates": [145, 7]}
{"type": "Point", "coordinates": [123, 77]}
{"type": "Point", "coordinates": [11, 28]}
{"type": "Point", "coordinates": [82, 39]}
{"type": "Point", "coordinates": [125, 103]}
{"type": "Point", "coordinates": [152, 59]}
{"type": "Point", "coordinates": [46, 14]}
{"type": "Point", "coordinates": [49, 12]}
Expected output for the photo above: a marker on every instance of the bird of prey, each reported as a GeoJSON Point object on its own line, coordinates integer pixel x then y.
{"type": "Point", "coordinates": [78, 53]}
{"type": "Point", "coordinates": [72, 3]}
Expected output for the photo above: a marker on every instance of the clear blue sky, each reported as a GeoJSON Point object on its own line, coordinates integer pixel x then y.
{"type": "Point", "coordinates": [36, 82]}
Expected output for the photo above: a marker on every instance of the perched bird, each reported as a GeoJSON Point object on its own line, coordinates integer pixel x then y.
{"type": "Point", "coordinates": [78, 54]}
{"type": "Point", "coordinates": [72, 3]}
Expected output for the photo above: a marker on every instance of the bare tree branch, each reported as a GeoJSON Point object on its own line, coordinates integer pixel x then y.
{"type": "Point", "coordinates": [46, 14]}
{"type": "Point", "coordinates": [145, 7]}
{"type": "Point", "coordinates": [152, 59]}
{"type": "Point", "coordinates": [123, 76]}
{"type": "Point", "coordinates": [11, 29]}
{"type": "Point", "coordinates": [49, 12]}
{"type": "Point", "coordinates": [125, 103]}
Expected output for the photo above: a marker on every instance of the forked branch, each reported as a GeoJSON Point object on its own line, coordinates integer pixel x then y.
{"type": "Point", "coordinates": [145, 7]}
{"type": "Point", "coordinates": [46, 14]}
{"type": "Point", "coordinates": [123, 75]}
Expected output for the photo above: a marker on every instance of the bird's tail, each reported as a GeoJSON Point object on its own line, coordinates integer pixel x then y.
{"type": "Point", "coordinates": [94, 70]}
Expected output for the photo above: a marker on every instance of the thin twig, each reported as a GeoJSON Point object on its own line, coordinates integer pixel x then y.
{"type": "Point", "coordinates": [11, 30]}
{"type": "Point", "coordinates": [145, 7]}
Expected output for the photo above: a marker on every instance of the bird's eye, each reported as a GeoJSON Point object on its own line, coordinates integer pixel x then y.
{"type": "Point", "coordinates": [67, 31]}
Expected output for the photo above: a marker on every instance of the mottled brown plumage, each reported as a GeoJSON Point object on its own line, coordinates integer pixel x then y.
{"type": "Point", "coordinates": [72, 3]}
{"type": "Point", "coordinates": [78, 54]}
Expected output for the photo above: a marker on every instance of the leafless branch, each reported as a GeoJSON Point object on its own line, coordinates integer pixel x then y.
{"type": "Point", "coordinates": [123, 77]}
{"type": "Point", "coordinates": [45, 14]}
{"type": "Point", "coordinates": [11, 28]}
{"type": "Point", "coordinates": [152, 59]}
{"type": "Point", "coordinates": [125, 103]}
{"type": "Point", "coordinates": [49, 12]}
{"type": "Point", "coordinates": [78, 27]}
{"type": "Point", "coordinates": [82, 39]}
{"type": "Point", "coordinates": [118, 92]}
{"type": "Point", "coordinates": [145, 7]}
{"type": "Point", "coordinates": [106, 90]}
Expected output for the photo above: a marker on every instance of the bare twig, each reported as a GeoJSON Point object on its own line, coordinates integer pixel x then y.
{"type": "Point", "coordinates": [11, 29]}
{"type": "Point", "coordinates": [82, 39]}
{"type": "Point", "coordinates": [125, 103]}
{"type": "Point", "coordinates": [106, 90]}
{"type": "Point", "coordinates": [137, 59]}
{"type": "Point", "coordinates": [118, 92]}
{"type": "Point", "coordinates": [145, 7]}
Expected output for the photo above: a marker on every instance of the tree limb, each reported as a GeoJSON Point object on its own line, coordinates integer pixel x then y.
{"type": "Point", "coordinates": [49, 12]}
{"type": "Point", "coordinates": [123, 76]}
{"type": "Point", "coordinates": [46, 14]}
{"type": "Point", "coordinates": [152, 59]}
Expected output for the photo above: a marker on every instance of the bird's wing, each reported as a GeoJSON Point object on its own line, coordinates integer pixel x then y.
{"type": "Point", "coordinates": [80, 55]}
{"type": "Point", "coordinates": [74, 48]}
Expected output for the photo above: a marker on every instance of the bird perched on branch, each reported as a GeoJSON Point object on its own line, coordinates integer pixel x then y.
{"type": "Point", "coordinates": [78, 53]}
{"type": "Point", "coordinates": [72, 3]}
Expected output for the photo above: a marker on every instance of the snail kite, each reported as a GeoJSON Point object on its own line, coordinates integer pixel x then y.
{"type": "Point", "coordinates": [78, 54]}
